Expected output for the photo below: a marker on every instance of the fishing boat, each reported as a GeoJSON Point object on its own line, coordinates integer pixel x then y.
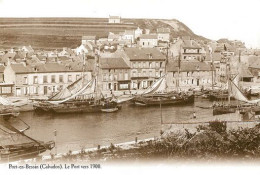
{"type": "Point", "coordinates": [15, 145]}
{"type": "Point", "coordinates": [7, 109]}
{"type": "Point", "coordinates": [81, 96]}
{"type": "Point", "coordinates": [163, 99]}
{"type": "Point", "coordinates": [154, 96]}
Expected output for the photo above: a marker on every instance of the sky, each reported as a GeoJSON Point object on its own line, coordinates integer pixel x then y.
{"type": "Point", "coordinates": [213, 19]}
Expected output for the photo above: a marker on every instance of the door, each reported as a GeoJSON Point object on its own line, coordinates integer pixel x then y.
{"type": "Point", "coordinates": [198, 82]}
{"type": "Point", "coordinates": [45, 90]}
{"type": "Point", "coordinates": [18, 92]}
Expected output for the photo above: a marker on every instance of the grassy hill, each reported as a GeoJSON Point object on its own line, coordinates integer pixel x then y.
{"type": "Point", "coordinates": [55, 33]}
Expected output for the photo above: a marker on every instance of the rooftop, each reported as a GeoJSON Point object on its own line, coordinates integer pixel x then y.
{"type": "Point", "coordinates": [148, 36]}
{"type": "Point", "coordinates": [172, 66]}
{"type": "Point", "coordinates": [144, 54]}
{"type": "Point", "coordinates": [113, 63]}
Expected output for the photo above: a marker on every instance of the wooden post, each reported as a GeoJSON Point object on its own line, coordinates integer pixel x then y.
{"type": "Point", "coordinates": [55, 140]}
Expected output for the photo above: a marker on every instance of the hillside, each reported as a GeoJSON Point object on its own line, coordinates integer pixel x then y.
{"type": "Point", "coordinates": [55, 33]}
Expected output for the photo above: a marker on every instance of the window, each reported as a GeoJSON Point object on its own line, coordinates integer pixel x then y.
{"type": "Point", "coordinates": [160, 64]}
{"type": "Point", "coordinates": [69, 78]}
{"type": "Point", "coordinates": [61, 78]}
{"type": "Point", "coordinates": [35, 79]}
{"type": "Point", "coordinates": [45, 79]}
{"type": "Point", "coordinates": [25, 80]}
{"type": "Point", "coordinates": [151, 73]}
{"type": "Point", "coordinates": [120, 76]}
{"type": "Point", "coordinates": [104, 77]}
{"type": "Point", "coordinates": [53, 88]}
{"type": "Point", "coordinates": [150, 64]}
{"type": "Point", "coordinates": [53, 78]}
{"type": "Point", "coordinates": [77, 77]}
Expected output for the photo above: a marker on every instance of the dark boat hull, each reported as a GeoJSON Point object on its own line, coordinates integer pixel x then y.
{"type": "Point", "coordinates": [151, 101]}
{"type": "Point", "coordinates": [26, 151]}
{"type": "Point", "coordinates": [76, 107]}
{"type": "Point", "coordinates": [223, 110]}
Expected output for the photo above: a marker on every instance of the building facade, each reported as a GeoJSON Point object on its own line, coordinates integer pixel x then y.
{"type": "Point", "coordinates": [148, 41]}
{"type": "Point", "coordinates": [147, 65]}
{"type": "Point", "coordinates": [193, 74]}
{"type": "Point", "coordinates": [114, 19]}
{"type": "Point", "coordinates": [46, 79]}
{"type": "Point", "coordinates": [115, 74]}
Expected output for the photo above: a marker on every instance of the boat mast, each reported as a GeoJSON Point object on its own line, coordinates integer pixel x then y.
{"type": "Point", "coordinates": [166, 63]}
{"type": "Point", "coordinates": [178, 71]}
{"type": "Point", "coordinates": [227, 74]}
{"type": "Point", "coordinates": [83, 69]}
{"type": "Point", "coordinates": [212, 74]}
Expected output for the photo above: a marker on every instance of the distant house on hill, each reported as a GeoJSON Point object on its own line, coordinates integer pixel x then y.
{"type": "Point", "coordinates": [114, 19]}
{"type": "Point", "coordinates": [148, 40]}
{"type": "Point", "coordinates": [27, 49]}
{"type": "Point", "coordinates": [163, 34]}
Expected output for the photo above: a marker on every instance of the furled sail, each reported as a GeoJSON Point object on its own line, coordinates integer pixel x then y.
{"type": "Point", "coordinates": [75, 89]}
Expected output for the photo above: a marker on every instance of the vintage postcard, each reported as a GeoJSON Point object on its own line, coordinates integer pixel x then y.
{"type": "Point", "coordinates": [154, 86]}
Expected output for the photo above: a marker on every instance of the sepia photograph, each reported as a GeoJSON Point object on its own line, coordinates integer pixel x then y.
{"type": "Point", "coordinates": [129, 87]}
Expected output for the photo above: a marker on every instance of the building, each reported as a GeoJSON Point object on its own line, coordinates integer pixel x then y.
{"type": "Point", "coordinates": [191, 51]}
{"type": "Point", "coordinates": [138, 32]}
{"type": "Point", "coordinates": [148, 41]}
{"type": "Point", "coordinates": [254, 67]}
{"type": "Point", "coordinates": [147, 65]}
{"type": "Point", "coordinates": [43, 79]}
{"type": "Point", "coordinates": [114, 19]}
{"type": "Point", "coordinates": [27, 49]}
{"type": "Point", "coordinates": [115, 74]}
{"type": "Point", "coordinates": [192, 74]}
{"type": "Point", "coordinates": [163, 34]}
{"type": "Point", "coordinates": [129, 35]}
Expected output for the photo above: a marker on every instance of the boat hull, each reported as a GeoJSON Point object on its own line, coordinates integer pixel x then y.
{"type": "Point", "coordinates": [27, 151]}
{"type": "Point", "coordinates": [151, 101]}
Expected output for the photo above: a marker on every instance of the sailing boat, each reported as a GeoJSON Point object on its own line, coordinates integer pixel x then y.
{"type": "Point", "coordinates": [15, 145]}
{"type": "Point", "coordinates": [238, 95]}
{"type": "Point", "coordinates": [80, 96]}
{"type": "Point", "coordinates": [7, 109]}
{"type": "Point", "coordinates": [154, 94]}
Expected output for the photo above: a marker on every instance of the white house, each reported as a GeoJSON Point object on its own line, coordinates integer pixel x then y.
{"type": "Point", "coordinates": [148, 40]}
{"type": "Point", "coordinates": [114, 19]}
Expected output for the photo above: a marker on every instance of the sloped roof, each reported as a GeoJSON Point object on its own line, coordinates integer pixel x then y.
{"type": "Point", "coordinates": [144, 54]}
{"type": "Point", "coordinates": [254, 62]}
{"type": "Point", "coordinates": [190, 44]}
{"type": "Point", "coordinates": [29, 48]}
{"type": "Point", "coordinates": [172, 66]}
{"type": "Point", "coordinates": [148, 36]}
{"type": "Point", "coordinates": [216, 56]}
{"type": "Point", "coordinates": [21, 68]}
{"type": "Point", "coordinates": [78, 65]}
{"type": "Point", "coordinates": [245, 73]}
{"type": "Point", "coordinates": [113, 63]}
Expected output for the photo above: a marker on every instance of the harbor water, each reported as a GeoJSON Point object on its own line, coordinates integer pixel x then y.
{"type": "Point", "coordinates": [87, 130]}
